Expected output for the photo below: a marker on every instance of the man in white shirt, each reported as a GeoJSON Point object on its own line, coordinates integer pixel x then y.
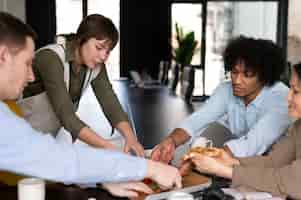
{"type": "Point", "coordinates": [23, 150]}
{"type": "Point", "coordinates": [249, 113]}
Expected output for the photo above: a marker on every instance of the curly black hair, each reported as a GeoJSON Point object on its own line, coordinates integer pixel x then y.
{"type": "Point", "coordinates": [262, 57]}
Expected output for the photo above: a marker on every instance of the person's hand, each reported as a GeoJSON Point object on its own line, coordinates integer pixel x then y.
{"type": "Point", "coordinates": [164, 151]}
{"type": "Point", "coordinates": [127, 189]}
{"type": "Point", "coordinates": [185, 167]}
{"type": "Point", "coordinates": [227, 159]}
{"type": "Point", "coordinates": [209, 165]}
{"type": "Point", "coordinates": [108, 145]}
{"type": "Point", "coordinates": [133, 144]}
{"type": "Point", "coordinates": [166, 176]}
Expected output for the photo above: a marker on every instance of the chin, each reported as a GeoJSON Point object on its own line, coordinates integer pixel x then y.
{"type": "Point", "coordinates": [238, 94]}
{"type": "Point", "coordinates": [294, 115]}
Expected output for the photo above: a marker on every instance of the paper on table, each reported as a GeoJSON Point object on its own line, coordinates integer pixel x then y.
{"type": "Point", "coordinates": [249, 195]}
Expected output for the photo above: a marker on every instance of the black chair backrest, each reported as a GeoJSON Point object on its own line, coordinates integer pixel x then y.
{"type": "Point", "coordinates": [174, 79]}
{"type": "Point", "coordinates": [163, 72]}
{"type": "Point", "coordinates": [187, 83]}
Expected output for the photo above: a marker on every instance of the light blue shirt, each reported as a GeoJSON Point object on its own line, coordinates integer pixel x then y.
{"type": "Point", "coordinates": [257, 125]}
{"type": "Point", "coordinates": [25, 151]}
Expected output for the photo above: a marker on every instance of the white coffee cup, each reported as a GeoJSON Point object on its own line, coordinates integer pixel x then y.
{"type": "Point", "coordinates": [147, 153]}
{"type": "Point", "coordinates": [202, 142]}
{"type": "Point", "coordinates": [31, 189]}
{"type": "Point", "coordinates": [180, 196]}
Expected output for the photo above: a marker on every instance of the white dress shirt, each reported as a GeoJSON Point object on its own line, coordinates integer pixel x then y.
{"type": "Point", "coordinates": [257, 125]}
{"type": "Point", "coordinates": [26, 151]}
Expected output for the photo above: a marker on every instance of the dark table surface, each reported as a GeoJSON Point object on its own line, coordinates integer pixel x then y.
{"type": "Point", "coordinates": [153, 111]}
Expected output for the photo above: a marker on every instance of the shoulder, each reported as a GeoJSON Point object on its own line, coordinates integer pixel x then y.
{"type": "Point", "coordinates": [222, 92]}
{"type": "Point", "coordinates": [8, 119]}
{"type": "Point", "coordinates": [224, 87]}
{"type": "Point", "coordinates": [46, 54]}
{"type": "Point", "coordinates": [278, 88]}
{"type": "Point", "coordinates": [275, 95]}
{"type": "Point", "coordinates": [295, 128]}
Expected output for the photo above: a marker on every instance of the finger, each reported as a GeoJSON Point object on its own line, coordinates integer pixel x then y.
{"type": "Point", "coordinates": [178, 182]}
{"type": "Point", "coordinates": [140, 187]}
{"type": "Point", "coordinates": [129, 193]}
{"type": "Point", "coordinates": [185, 168]}
{"type": "Point", "coordinates": [126, 148]}
{"type": "Point", "coordinates": [196, 156]}
{"type": "Point", "coordinates": [156, 154]}
{"type": "Point", "coordinates": [164, 187]}
{"type": "Point", "coordinates": [165, 157]}
{"type": "Point", "coordinates": [140, 150]}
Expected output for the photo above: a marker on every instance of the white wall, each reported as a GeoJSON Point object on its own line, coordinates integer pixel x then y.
{"type": "Point", "coordinates": [14, 7]}
{"type": "Point", "coordinates": [294, 18]}
{"type": "Point", "coordinates": [256, 19]}
{"type": "Point", "coordinates": [294, 32]}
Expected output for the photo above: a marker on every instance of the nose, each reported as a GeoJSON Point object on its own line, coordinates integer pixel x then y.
{"type": "Point", "coordinates": [237, 78]}
{"type": "Point", "coordinates": [30, 74]}
{"type": "Point", "coordinates": [104, 55]}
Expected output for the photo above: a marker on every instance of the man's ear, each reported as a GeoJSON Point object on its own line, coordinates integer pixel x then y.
{"type": "Point", "coordinates": [4, 53]}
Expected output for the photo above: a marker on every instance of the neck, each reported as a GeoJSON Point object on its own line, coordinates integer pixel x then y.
{"type": "Point", "coordinates": [250, 97]}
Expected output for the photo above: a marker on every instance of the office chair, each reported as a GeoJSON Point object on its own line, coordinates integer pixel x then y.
{"type": "Point", "coordinates": [163, 72]}
{"type": "Point", "coordinates": [187, 83]}
{"type": "Point", "coordinates": [174, 79]}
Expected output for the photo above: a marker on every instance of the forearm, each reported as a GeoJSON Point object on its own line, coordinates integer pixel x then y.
{"type": "Point", "coordinates": [179, 137]}
{"type": "Point", "coordinates": [125, 129]}
{"type": "Point", "coordinates": [88, 136]}
{"type": "Point", "coordinates": [34, 154]}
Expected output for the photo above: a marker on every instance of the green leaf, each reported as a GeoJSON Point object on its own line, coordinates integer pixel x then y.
{"type": "Point", "coordinates": [186, 46]}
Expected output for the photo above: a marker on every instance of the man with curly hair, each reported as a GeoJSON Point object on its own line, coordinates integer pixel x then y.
{"type": "Point", "coordinates": [246, 115]}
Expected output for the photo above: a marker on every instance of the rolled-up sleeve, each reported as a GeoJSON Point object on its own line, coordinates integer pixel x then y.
{"type": "Point", "coordinates": [278, 173]}
{"type": "Point", "coordinates": [285, 180]}
{"type": "Point", "coordinates": [266, 131]}
{"type": "Point", "coordinates": [107, 98]}
{"type": "Point", "coordinates": [211, 111]}
{"type": "Point", "coordinates": [51, 71]}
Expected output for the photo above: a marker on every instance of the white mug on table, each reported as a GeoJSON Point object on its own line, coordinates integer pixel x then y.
{"type": "Point", "coordinates": [202, 142]}
{"type": "Point", "coordinates": [31, 189]}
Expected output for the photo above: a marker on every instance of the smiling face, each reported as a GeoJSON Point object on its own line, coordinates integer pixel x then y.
{"type": "Point", "coordinates": [94, 52]}
{"type": "Point", "coordinates": [245, 83]}
{"type": "Point", "coordinates": [15, 69]}
{"type": "Point", "coordinates": [294, 96]}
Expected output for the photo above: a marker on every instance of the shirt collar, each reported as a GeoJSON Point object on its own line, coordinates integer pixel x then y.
{"type": "Point", "coordinates": [257, 101]}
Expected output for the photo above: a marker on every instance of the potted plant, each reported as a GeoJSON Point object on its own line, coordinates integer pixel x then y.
{"type": "Point", "coordinates": [186, 47]}
{"type": "Point", "coordinates": [183, 51]}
